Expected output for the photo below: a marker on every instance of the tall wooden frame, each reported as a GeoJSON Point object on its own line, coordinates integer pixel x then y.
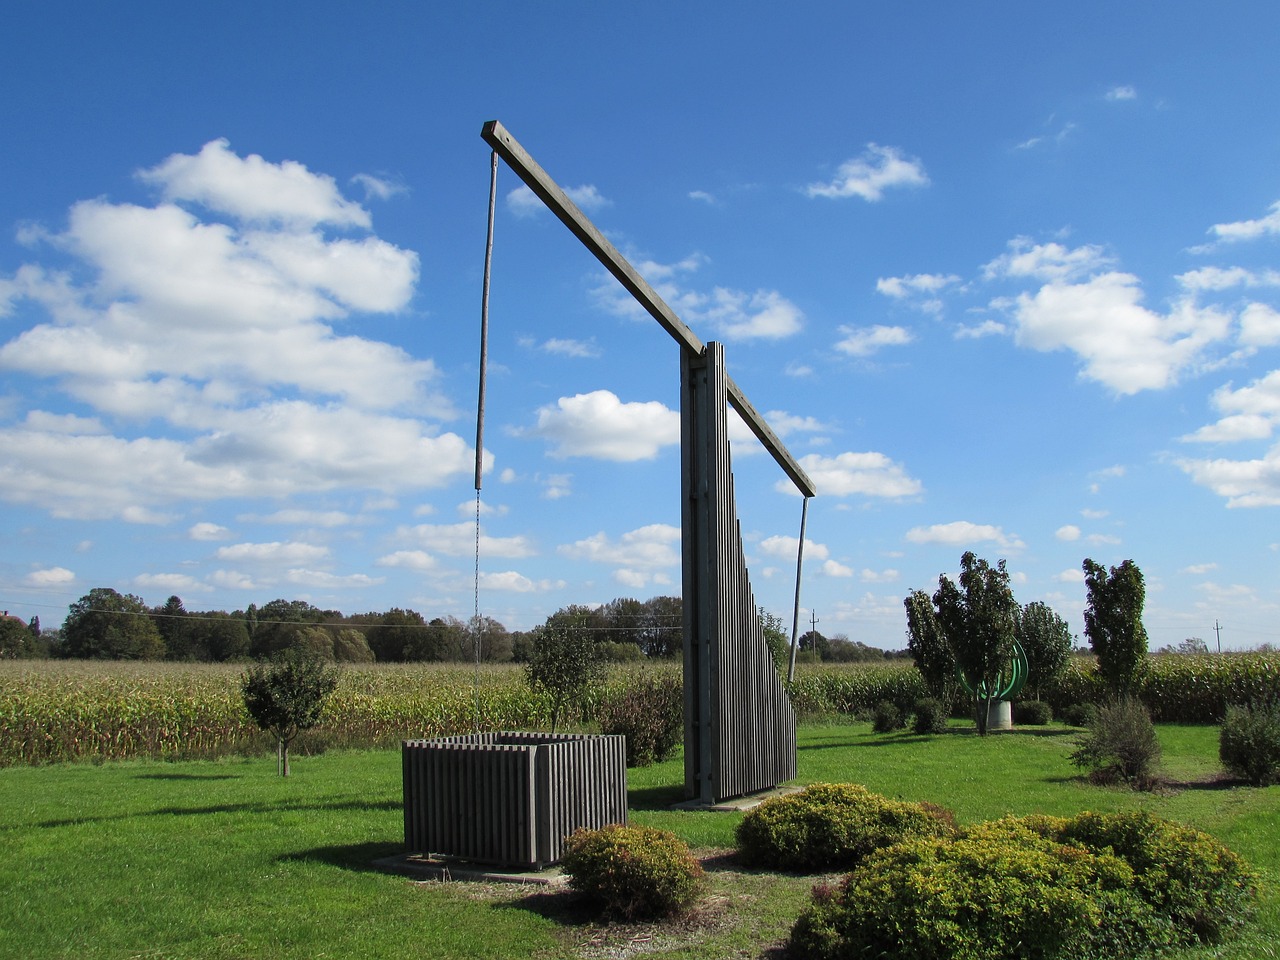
{"type": "Point", "coordinates": [739, 724]}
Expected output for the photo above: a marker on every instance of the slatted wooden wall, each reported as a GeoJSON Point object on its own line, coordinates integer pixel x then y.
{"type": "Point", "coordinates": [739, 723]}
{"type": "Point", "coordinates": [510, 798]}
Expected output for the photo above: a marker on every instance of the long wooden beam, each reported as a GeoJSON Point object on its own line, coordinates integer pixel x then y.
{"type": "Point", "coordinates": [549, 192]}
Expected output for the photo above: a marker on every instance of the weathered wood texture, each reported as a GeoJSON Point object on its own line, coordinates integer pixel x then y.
{"type": "Point", "coordinates": [510, 798]}
{"type": "Point", "coordinates": [740, 730]}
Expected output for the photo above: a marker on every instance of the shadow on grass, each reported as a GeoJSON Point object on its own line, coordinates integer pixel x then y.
{"type": "Point", "coordinates": [234, 808]}
{"type": "Point", "coordinates": [655, 798]}
{"type": "Point", "coordinates": [352, 856]}
{"type": "Point", "coordinates": [186, 776]}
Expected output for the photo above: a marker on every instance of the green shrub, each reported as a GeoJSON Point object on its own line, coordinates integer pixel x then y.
{"type": "Point", "coordinates": [831, 826]}
{"type": "Point", "coordinates": [930, 716]}
{"type": "Point", "coordinates": [1120, 743]}
{"type": "Point", "coordinates": [1249, 743]}
{"type": "Point", "coordinates": [650, 713]}
{"type": "Point", "coordinates": [886, 717]}
{"type": "Point", "coordinates": [1189, 877]}
{"type": "Point", "coordinates": [1032, 713]}
{"type": "Point", "coordinates": [633, 872]}
{"type": "Point", "coordinates": [1007, 892]}
{"type": "Point", "coordinates": [1080, 714]}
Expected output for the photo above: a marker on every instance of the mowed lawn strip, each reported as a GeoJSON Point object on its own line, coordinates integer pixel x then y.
{"type": "Point", "coordinates": [226, 859]}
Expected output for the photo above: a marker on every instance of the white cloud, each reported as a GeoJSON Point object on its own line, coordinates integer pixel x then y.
{"type": "Point", "coordinates": [1250, 413]}
{"type": "Point", "coordinates": [379, 188]}
{"type": "Point", "coordinates": [600, 425]}
{"type": "Point", "coordinates": [49, 577]}
{"type": "Point", "coordinates": [208, 531]}
{"type": "Point", "coordinates": [1045, 261]}
{"type": "Point", "coordinates": [833, 568]}
{"type": "Point", "coordinates": [523, 202]}
{"type": "Point", "coordinates": [169, 583]}
{"type": "Point", "coordinates": [273, 553]}
{"type": "Point", "coordinates": [879, 576]}
{"type": "Point", "coordinates": [251, 189]}
{"type": "Point", "coordinates": [583, 349]}
{"type": "Point", "coordinates": [1244, 483]}
{"type": "Point", "coordinates": [901, 288]}
{"type": "Point", "coordinates": [1069, 532]}
{"type": "Point", "coordinates": [324, 580]}
{"type": "Point", "coordinates": [1122, 93]}
{"type": "Point", "coordinates": [864, 341]}
{"type": "Point", "coordinates": [1121, 344]}
{"type": "Point", "coordinates": [647, 548]}
{"type": "Point", "coordinates": [786, 548]}
{"type": "Point", "coordinates": [1226, 278]}
{"type": "Point", "coordinates": [1199, 569]}
{"type": "Point", "coordinates": [509, 581]}
{"type": "Point", "coordinates": [866, 474]}
{"type": "Point", "coordinates": [417, 560]}
{"type": "Point", "coordinates": [988, 328]}
{"type": "Point", "coordinates": [868, 176]}
{"type": "Point", "coordinates": [963, 533]}
{"type": "Point", "coordinates": [702, 197]}
{"type": "Point", "coordinates": [1249, 229]}
{"type": "Point", "coordinates": [1260, 326]}
{"type": "Point", "coordinates": [459, 540]}
{"type": "Point", "coordinates": [215, 339]}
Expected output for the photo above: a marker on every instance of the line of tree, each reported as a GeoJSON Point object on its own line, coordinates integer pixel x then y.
{"type": "Point", "coordinates": [970, 630]}
{"type": "Point", "coordinates": [107, 624]}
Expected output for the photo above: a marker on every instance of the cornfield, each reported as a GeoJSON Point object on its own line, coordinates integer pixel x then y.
{"type": "Point", "coordinates": [58, 711]}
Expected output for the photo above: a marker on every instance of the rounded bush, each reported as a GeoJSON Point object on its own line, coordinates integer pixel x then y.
{"type": "Point", "coordinates": [886, 717]}
{"type": "Point", "coordinates": [1249, 743]}
{"type": "Point", "coordinates": [831, 826]}
{"type": "Point", "coordinates": [930, 716]}
{"type": "Point", "coordinates": [650, 714]}
{"type": "Point", "coordinates": [1032, 713]}
{"type": "Point", "coordinates": [1080, 714]}
{"type": "Point", "coordinates": [1003, 893]}
{"type": "Point", "coordinates": [1121, 743]}
{"type": "Point", "coordinates": [1189, 877]}
{"type": "Point", "coordinates": [633, 872]}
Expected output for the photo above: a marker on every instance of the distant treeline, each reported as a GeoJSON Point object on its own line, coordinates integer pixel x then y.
{"type": "Point", "coordinates": [106, 624]}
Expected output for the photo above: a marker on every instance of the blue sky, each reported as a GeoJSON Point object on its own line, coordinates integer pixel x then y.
{"type": "Point", "coordinates": [1004, 278]}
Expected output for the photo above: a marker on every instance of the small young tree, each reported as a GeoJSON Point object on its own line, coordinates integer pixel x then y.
{"type": "Point", "coordinates": [1046, 639]}
{"type": "Point", "coordinates": [286, 696]}
{"type": "Point", "coordinates": [564, 664]}
{"type": "Point", "coordinates": [928, 648]}
{"type": "Point", "coordinates": [1113, 623]}
{"type": "Point", "coordinates": [979, 620]}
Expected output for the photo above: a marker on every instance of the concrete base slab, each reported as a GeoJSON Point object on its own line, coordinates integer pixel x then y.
{"type": "Point", "coordinates": [446, 869]}
{"type": "Point", "coordinates": [737, 804]}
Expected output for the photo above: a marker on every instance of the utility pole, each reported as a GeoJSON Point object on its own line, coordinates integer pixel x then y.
{"type": "Point", "coordinates": [1217, 628]}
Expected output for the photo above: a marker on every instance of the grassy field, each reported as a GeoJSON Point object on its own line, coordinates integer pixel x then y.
{"type": "Point", "coordinates": [225, 859]}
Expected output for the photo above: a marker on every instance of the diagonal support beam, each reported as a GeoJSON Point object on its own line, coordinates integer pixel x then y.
{"type": "Point", "coordinates": [549, 192]}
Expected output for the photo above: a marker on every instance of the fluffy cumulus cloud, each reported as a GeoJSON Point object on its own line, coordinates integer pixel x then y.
{"type": "Point", "coordinates": [600, 425]}
{"type": "Point", "coordinates": [202, 329]}
{"type": "Point", "coordinates": [868, 176]}
{"type": "Point", "coordinates": [864, 341]}
{"type": "Point", "coordinates": [786, 548]}
{"type": "Point", "coordinates": [1264, 226]}
{"type": "Point", "coordinates": [962, 533]}
{"type": "Point", "coordinates": [1250, 413]}
{"type": "Point", "coordinates": [645, 556]}
{"type": "Point", "coordinates": [866, 474]}
{"type": "Point", "coordinates": [726, 313]}
{"type": "Point", "coordinates": [1121, 343]}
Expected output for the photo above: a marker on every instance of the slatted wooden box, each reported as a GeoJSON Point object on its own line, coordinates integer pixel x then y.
{"type": "Point", "coordinates": [510, 798]}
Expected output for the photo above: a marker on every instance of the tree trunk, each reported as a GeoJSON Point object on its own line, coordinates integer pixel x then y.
{"type": "Point", "coordinates": [282, 757]}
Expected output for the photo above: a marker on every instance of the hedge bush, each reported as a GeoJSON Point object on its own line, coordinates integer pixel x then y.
{"type": "Point", "coordinates": [1032, 713]}
{"type": "Point", "coordinates": [831, 826]}
{"type": "Point", "coordinates": [1097, 886]}
{"type": "Point", "coordinates": [886, 717]}
{"type": "Point", "coordinates": [1249, 743]}
{"type": "Point", "coordinates": [1120, 744]}
{"type": "Point", "coordinates": [1008, 894]}
{"type": "Point", "coordinates": [649, 712]}
{"type": "Point", "coordinates": [633, 872]}
{"type": "Point", "coordinates": [930, 716]}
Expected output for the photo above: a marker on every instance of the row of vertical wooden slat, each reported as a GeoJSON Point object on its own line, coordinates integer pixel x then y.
{"type": "Point", "coordinates": [739, 722]}
{"type": "Point", "coordinates": [510, 798]}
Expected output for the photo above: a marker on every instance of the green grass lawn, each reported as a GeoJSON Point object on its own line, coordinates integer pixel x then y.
{"type": "Point", "coordinates": [226, 859]}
